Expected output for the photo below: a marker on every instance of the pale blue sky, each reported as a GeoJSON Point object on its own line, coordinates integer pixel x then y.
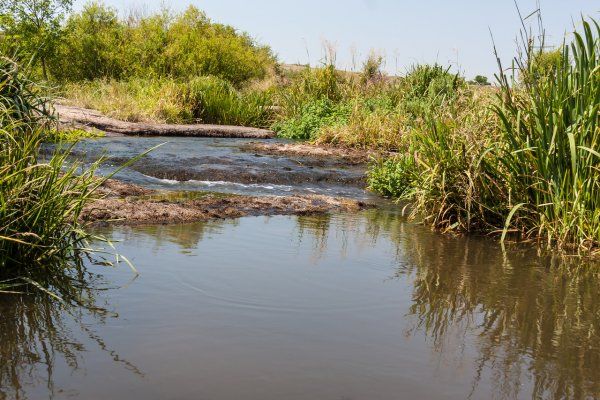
{"type": "Point", "coordinates": [405, 31]}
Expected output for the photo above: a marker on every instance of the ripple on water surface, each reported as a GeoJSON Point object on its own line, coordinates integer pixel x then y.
{"type": "Point", "coordinates": [362, 306]}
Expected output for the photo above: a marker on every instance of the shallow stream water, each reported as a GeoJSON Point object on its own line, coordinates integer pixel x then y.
{"type": "Point", "coordinates": [221, 165]}
{"type": "Point", "coordinates": [344, 306]}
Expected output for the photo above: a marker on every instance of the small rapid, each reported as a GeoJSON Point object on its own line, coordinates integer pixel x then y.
{"type": "Point", "coordinates": [220, 165]}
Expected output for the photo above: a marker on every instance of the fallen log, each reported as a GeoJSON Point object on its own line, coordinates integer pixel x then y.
{"type": "Point", "coordinates": [86, 118]}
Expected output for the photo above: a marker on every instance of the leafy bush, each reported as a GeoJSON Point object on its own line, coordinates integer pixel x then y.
{"type": "Point", "coordinates": [392, 177]}
{"type": "Point", "coordinates": [97, 44]}
{"type": "Point", "coordinates": [427, 87]}
{"type": "Point", "coordinates": [92, 46]}
{"type": "Point", "coordinates": [313, 116]}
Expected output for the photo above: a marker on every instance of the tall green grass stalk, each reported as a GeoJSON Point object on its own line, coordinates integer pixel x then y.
{"type": "Point", "coordinates": [551, 141]}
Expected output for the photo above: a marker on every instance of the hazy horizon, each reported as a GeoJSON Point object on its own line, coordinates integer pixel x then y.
{"type": "Point", "coordinates": [404, 33]}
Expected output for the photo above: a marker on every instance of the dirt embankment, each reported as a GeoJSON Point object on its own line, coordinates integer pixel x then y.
{"type": "Point", "coordinates": [86, 119]}
{"type": "Point", "coordinates": [129, 204]}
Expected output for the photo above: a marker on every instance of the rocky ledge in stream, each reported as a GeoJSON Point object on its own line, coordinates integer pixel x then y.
{"type": "Point", "coordinates": [124, 203]}
{"type": "Point", "coordinates": [83, 118]}
{"type": "Point", "coordinates": [320, 155]}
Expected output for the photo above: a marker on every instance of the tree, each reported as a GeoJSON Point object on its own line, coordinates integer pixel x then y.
{"type": "Point", "coordinates": [481, 80]}
{"type": "Point", "coordinates": [34, 26]}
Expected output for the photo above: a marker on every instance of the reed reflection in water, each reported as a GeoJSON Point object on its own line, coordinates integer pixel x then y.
{"type": "Point", "coordinates": [40, 335]}
{"type": "Point", "coordinates": [520, 323]}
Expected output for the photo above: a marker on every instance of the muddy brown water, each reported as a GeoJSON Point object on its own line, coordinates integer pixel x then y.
{"type": "Point", "coordinates": [344, 306]}
{"type": "Point", "coordinates": [347, 306]}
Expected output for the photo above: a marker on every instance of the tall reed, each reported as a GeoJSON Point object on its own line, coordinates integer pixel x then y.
{"type": "Point", "coordinates": [550, 140]}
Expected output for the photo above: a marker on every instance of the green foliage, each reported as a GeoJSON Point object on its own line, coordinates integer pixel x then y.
{"type": "Point", "coordinates": [427, 87]}
{"type": "Point", "coordinates": [392, 177]}
{"type": "Point", "coordinates": [202, 99]}
{"type": "Point", "coordinates": [481, 80]}
{"type": "Point", "coordinates": [431, 81]}
{"type": "Point", "coordinates": [20, 98]}
{"type": "Point", "coordinates": [198, 47]}
{"type": "Point", "coordinates": [34, 27]}
{"type": "Point", "coordinates": [551, 140]}
{"type": "Point", "coordinates": [313, 116]}
{"type": "Point", "coordinates": [97, 44]}
{"type": "Point", "coordinates": [54, 135]}
{"type": "Point", "coordinates": [371, 69]}
{"type": "Point", "coordinates": [216, 101]}
{"type": "Point", "coordinates": [41, 241]}
{"type": "Point", "coordinates": [92, 46]}
{"type": "Point", "coordinates": [542, 65]}
{"type": "Point", "coordinates": [525, 161]}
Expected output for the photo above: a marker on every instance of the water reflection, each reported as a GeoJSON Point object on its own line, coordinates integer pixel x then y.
{"type": "Point", "coordinates": [531, 317]}
{"type": "Point", "coordinates": [534, 319]}
{"type": "Point", "coordinates": [40, 335]}
{"type": "Point", "coordinates": [521, 324]}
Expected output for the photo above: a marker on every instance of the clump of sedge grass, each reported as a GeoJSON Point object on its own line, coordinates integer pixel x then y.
{"type": "Point", "coordinates": [42, 243]}
{"type": "Point", "coordinates": [550, 144]}
{"type": "Point", "coordinates": [525, 161]}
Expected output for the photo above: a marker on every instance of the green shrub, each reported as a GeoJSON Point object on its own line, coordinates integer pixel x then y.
{"type": "Point", "coordinates": [97, 44]}
{"type": "Point", "coordinates": [91, 46]}
{"type": "Point", "coordinates": [426, 87]}
{"type": "Point", "coordinates": [392, 177]}
{"type": "Point", "coordinates": [313, 116]}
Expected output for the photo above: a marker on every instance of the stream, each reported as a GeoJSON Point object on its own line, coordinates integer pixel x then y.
{"type": "Point", "coordinates": [354, 306]}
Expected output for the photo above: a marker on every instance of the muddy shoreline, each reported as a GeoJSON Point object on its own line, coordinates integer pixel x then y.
{"type": "Point", "coordinates": [127, 204]}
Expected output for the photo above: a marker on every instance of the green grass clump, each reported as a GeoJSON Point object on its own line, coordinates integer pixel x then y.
{"type": "Point", "coordinates": [70, 135]}
{"type": "Point", "coordinates": [521, 159]}
{"type": "Point", "coordinates": [135, 99]}
{"type": "Point", "coordinates": [550, 141]}
{"type": "Point", "coordinates": [41, 240]}
{"type": "Point", "coordinates": [20, 99]}
{"type": "Point", "coordinates": [205, 99]}
{"type": "Point", "coordinates": [215, 101]}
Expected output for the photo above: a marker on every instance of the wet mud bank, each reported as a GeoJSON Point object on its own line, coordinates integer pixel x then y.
{"type": "Point", "coordinates": [129, 204]}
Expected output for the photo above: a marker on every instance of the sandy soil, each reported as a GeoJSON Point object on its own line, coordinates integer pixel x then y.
{"type": "Point", "coordinates": [124, 203]}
